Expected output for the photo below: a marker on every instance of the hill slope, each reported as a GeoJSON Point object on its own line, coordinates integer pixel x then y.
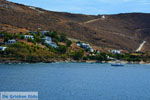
{"type": "Point", "coordinates": [122, 31]}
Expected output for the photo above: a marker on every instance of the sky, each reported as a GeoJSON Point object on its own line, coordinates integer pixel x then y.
{"type": "Point", "coordinates": [91, 7]}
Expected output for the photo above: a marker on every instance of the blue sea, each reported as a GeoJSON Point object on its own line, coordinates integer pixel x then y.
{"type": "Point", "coordinates": [78, 81]}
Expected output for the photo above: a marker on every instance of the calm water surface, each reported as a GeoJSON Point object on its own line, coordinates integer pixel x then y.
{"type": "Point", "coordinates": [78, 81]}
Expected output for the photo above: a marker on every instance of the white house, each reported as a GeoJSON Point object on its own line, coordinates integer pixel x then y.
{"type": "Point", "coordinates": [53, 44]}
{"type": "Point", "coordinates": [2, 48]}
{"type": "Point", "coordinates": [110, 58]}
{"type": "Point", "coordinates": [91, 50]}
{"type": "Point", "coordinates": [12, 41]}
{"type": "Point", "coordinates": [116, 51]}
{"type": "Point", "coordinates": [79, 44]}
{"type": "Point", "coordinates": [48, 40]}
{"type": "Point", "coordinates": [103, 17]}
{"type": "Point", "coordinates": [44, 32]}
{"type": "Point", "coordinates": [85, 46]}
{"type": "Point", "coordinates": [28, 36]}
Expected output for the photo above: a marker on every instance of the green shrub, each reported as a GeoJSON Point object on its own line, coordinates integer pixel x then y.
{"type": "Point", "coordinates": [77, 55]}
{"type": "Point", "coordinates": [68, 43]}
{"type": "Point", "coordinates": [62, 38]}
{"type": "Point", "coordinates": [62, 49]}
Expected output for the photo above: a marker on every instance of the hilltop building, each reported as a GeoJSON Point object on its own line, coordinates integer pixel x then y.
{"type": "Point", "coordinates": [103, 17]}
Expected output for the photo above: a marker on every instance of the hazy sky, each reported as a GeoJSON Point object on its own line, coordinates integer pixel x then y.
{"type": "Point", "coordinates": [91, 6]}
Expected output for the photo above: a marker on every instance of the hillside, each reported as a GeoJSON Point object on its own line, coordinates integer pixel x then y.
{"type": "Point", "coordinates": [121, 31]}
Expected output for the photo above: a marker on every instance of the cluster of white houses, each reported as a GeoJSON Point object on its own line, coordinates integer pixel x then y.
{"type": "Point", "coordinates": [47, 40]}
{"type": "Point", "coordinates": [3, 48]}
{"type": "Point", "coordinates": [12, 41]}
{"type": "Point", "coordinates": [87, 47]}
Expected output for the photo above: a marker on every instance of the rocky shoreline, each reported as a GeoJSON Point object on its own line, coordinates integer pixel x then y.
{"type": "Point", "coordinates": [69, 61]}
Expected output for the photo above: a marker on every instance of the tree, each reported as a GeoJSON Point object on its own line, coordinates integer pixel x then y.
{"type": "Point", "coordinates": [68, 43]}
{"type": "Point", "coordinates": [62, 49]}
{"type": "Point", "coordinates": [101, 57]}
{"type": "Point", "coordinates": [77, 55]}
{"type": "Point", "coordinates": [52, 34]}
{"type": "Point", "coordinates": [62, 38]}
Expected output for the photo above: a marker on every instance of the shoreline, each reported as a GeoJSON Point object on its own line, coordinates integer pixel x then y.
{"type": "Point", "coordinates": [71, 61]}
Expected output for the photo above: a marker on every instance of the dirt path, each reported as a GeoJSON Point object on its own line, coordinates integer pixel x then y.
{"type": "Point", "coordinates": [141, 46]}
{"type": "Point", "coordinates": [90, 21]}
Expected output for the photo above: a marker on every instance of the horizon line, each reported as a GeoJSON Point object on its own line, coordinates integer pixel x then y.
{"type": "Point", "coordinates": [77, 12]}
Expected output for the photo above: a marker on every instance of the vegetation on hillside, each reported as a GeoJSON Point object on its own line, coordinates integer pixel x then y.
{"type": "Point", "coordinates": [36, 50]}
{"type": "Point", "coordinates": [127, 30]}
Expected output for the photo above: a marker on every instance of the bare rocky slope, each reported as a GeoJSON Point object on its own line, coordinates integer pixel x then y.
{"type": "Point", "coordinates": [120, 31]}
